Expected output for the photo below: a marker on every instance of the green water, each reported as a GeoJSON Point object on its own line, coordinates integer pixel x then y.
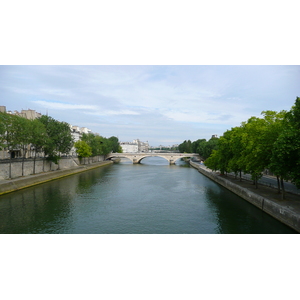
{"type": "Point", "coordinates": [152, 197]}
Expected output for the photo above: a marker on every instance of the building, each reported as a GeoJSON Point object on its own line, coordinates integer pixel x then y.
{"type": "Point", "coordinates": [76, 133]}
{"type": "Point", "coordinates": [134, 146]}
{"type": "Point", "coordinates": [128, 147]}
{"type": "Point", "coordinates": [29, 114]}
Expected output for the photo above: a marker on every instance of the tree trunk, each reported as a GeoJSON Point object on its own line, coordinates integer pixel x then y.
{"type": "Point", "coordinates": [278, 184]}
{"type": "Point", "coordinates": [23, 159]}
{"type": "Point", "coordinates": [283, 189]}
{"type": "Point", "coordinates": [10, 166]}
{"type": "Point", "coordinates": [34, 162]}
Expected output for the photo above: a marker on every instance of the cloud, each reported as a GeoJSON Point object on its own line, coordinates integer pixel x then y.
{"type": "Point", "coordinates": [113, 112]}
{"type": "Point", "coordinates": [64, 106]}
{"type": "Point", "coordinates": [155, 103]}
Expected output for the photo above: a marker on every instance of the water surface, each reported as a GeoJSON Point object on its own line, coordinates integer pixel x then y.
{"type": "Point", "coordinates": [152, 198]}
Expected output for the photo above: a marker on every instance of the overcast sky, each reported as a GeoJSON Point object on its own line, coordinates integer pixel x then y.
{"type": "Point", "coordinates": [159, 104]}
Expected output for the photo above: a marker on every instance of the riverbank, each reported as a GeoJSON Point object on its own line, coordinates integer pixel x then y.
{"type": "Point", "coordinates": [265, 198]}
{"type": "Point", "coordinates": [12, 185]}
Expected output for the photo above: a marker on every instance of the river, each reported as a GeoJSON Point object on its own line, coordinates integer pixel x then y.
{"type": "Point", "coordinates": [148, 198]}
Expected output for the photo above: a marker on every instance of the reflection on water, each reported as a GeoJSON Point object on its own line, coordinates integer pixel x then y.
{"type": "Point", "coordinates": [151, 197]}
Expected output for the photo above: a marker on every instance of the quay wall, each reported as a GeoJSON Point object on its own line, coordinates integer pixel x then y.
{"type": "Point", "coordinates": [66, 167]}
{"type": "Point", "coordinates": [279, 212]}
{"type": "Point", "coordinates": [42, 165]}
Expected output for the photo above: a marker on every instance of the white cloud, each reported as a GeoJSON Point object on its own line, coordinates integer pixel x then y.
{"type": "Point", "coordinates": [64, 106]}
{"type": "Point", "coordinates": [113, 112]}
{"type": "Point", "coordinates": [158, 101]}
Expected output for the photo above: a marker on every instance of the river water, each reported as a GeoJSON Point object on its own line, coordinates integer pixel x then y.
{"type": "Point", "coordinates": [151, 198]}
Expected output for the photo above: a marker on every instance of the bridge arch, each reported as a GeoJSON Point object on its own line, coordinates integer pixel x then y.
{"type": "Point", "coordinates": [119, 156]}
{"type": "Point", "coordinates": [154, 155]}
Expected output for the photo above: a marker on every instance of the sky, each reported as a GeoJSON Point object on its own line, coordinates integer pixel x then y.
{"type": "Point", "coordinates": [161, 104]}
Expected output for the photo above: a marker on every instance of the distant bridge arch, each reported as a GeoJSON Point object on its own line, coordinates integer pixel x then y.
{"type": "Point", "coordinates": [137, 157]}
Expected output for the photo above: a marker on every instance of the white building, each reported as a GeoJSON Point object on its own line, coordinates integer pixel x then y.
{"type": "Point", "coordinates": [128, 147]}
{"type": "Point", "coordinates": [134, 146]}
{"type": "Point", "coordinates": [85, 130]}
{"type": "Point", "coordinates": [76, 133]}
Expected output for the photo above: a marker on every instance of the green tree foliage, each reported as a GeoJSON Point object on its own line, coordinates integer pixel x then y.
{"type": "Point", "coordinates": [185, 147]}
{"type": "Point", "coordinates": [83, 149]}
{"type": "Point", "coordinates": [115, 145]}
{"type": "Point", "coordinates": [208, 147]}
{"type": "Point", "coordinates": [38, 137]}
{"type": "Point", "coordinates": [248, 148]}
{"type": "Point", "coordinates": [201, 146]}
{"type": "Point", "coordinates": [285, 160]}
{"type": "Point", "coordinates": [101, 145]}
{"type": "Point", "coordinates": [196, 144]}
{"type": "Point", "coordinates": [20, 128]}
{"type": "Point", "coordinates": [59, 140]}
{"type": "Point", "coordinates": [218, 159]}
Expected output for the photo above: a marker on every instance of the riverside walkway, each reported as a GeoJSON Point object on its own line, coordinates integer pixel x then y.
{"type": "Point", "coordinates": [264, 197]}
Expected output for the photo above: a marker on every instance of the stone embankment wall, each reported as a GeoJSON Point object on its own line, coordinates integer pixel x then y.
{"type": "Point", "coordinates": [19, 169]}
{"type": "Point", "coordinates": [11, 185]}
{"type": "Point", "coordinates": [279, 212]}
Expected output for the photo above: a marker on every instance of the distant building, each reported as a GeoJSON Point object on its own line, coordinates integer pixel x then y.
{"type": "Point", "coordinates": [76, 133]}
{"type": "Point", "coordinates": [85, 130]}
{"type": "Point", "coordinates": [134, 146]}
{"type": "Point", "coordinates": [29, 114]}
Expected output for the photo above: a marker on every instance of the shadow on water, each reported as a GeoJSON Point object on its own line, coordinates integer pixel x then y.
{"type": "Point", "coordinates": [34, 209]}
{"type": "Point", "coordinates": [236, 215]}
{"type": "Point", "coordinates": [44, 207]}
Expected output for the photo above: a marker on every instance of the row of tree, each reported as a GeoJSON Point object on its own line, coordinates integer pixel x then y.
{"type": "Point", "coordinates": [201, 146]}
{"type": "Point", "coordinates": [49, 136]}
{"type": "Point", "coordinates": [92, 145]}
{"type": "Point", "coordinates": [271, 142]}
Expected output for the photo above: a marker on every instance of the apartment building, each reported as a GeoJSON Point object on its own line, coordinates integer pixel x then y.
{"type": "Point", "coordinates": [134, 146]}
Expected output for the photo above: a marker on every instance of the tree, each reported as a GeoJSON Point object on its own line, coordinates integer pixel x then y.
{"type": "Point", "coordinates": [115, 145]}
{"type": "Point", "coordinates": [21, 133]}
{"type": "Point", "coordinates": [285, 160]}
{"type": "Point", "coordinates": [186, 147]}
{"type": "Point", "coordinates": [38, 138]}
{"type": "Point", "coordinates": [209, 146]}
{"type": "Point", "coordinates": [83, 149]}
{"type": "Point", "coordinates": [196, 144]}
{"type": "Point", "coordinates": [59, 138]}
{"type": "Point", "coordinates": [9, 138]}
{"type": "Point", "coordinates": [236, 163]}
{"type": "Point", "coordinates": [101, 145]}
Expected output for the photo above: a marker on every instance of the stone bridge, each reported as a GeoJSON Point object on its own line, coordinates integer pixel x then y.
{"type": "Point", "coordinates": [137, 157]}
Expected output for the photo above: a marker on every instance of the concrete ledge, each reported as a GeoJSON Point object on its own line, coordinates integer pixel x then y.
{"type": "Point", "coordinates": [8, 186]}
{"type": "Point", "coordinates": [287, 215]}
